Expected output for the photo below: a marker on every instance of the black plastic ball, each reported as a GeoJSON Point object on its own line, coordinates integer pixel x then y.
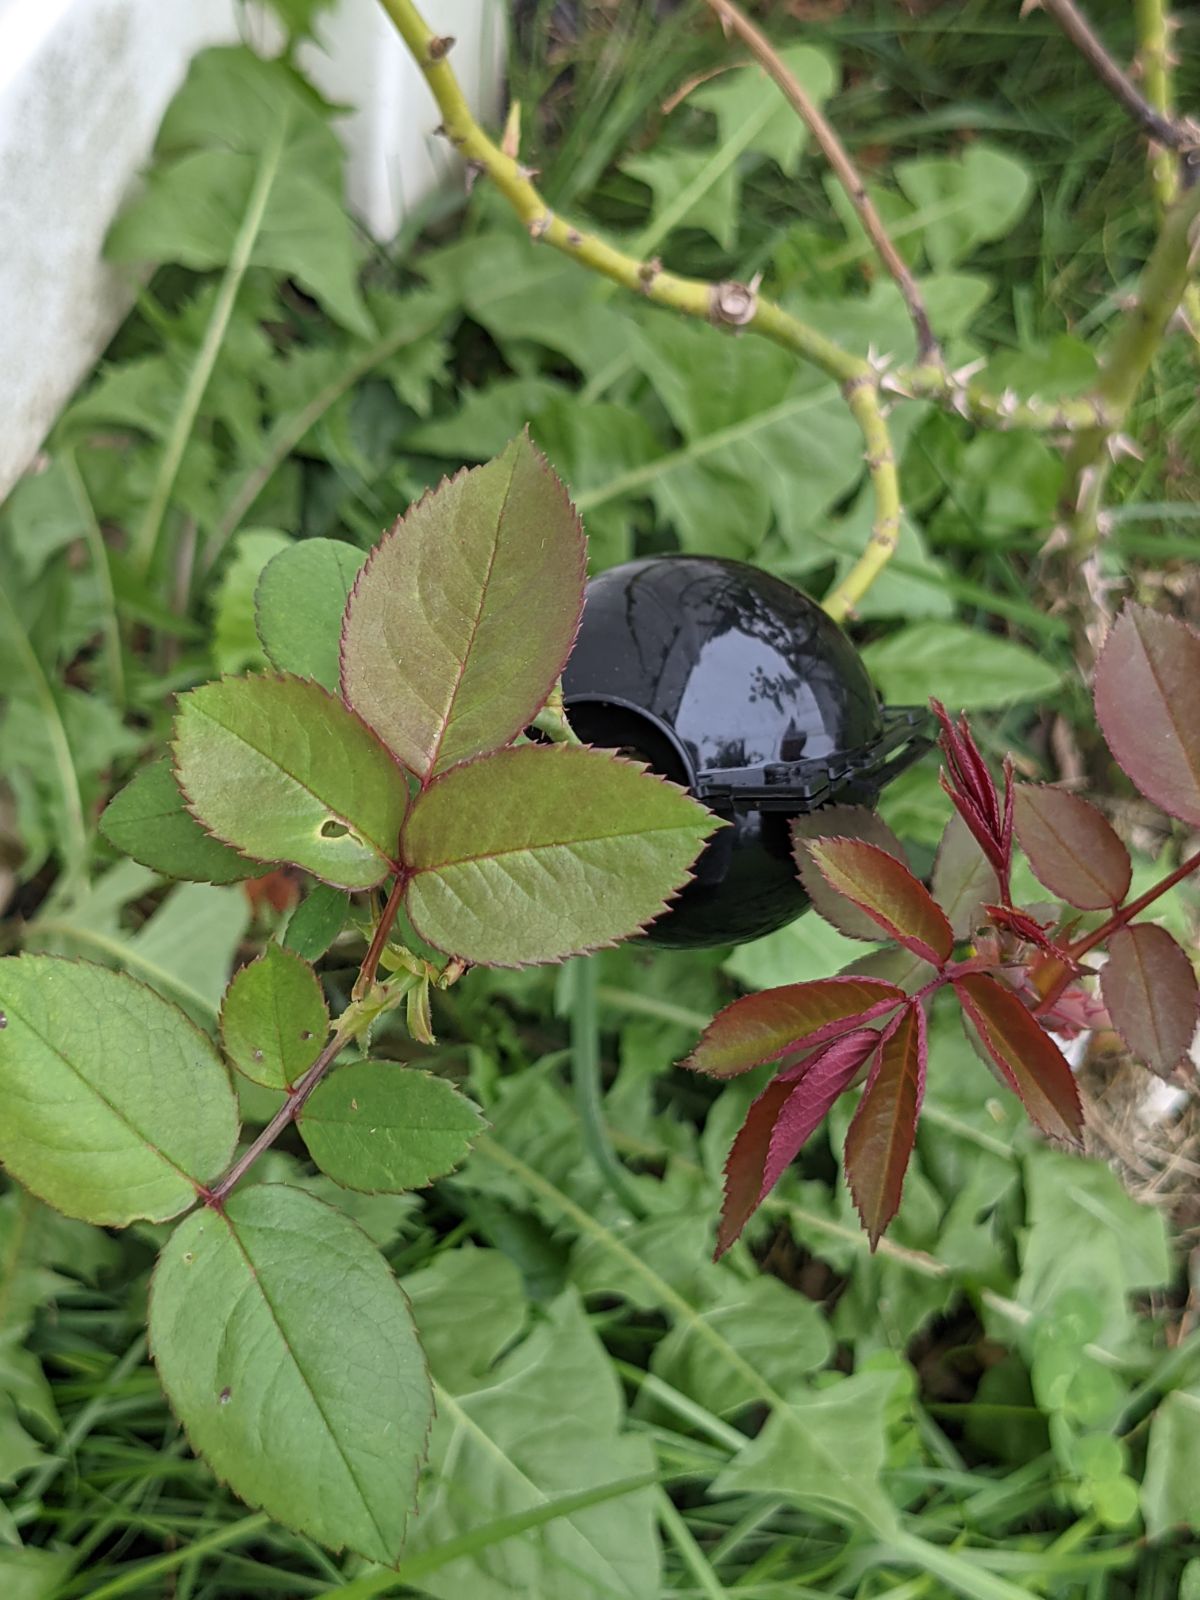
{"type": "Point", "coordinates": [740, 688]}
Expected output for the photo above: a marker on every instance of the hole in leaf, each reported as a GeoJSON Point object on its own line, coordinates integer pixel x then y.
{"type": "Point", "coordinates": [331, 828]}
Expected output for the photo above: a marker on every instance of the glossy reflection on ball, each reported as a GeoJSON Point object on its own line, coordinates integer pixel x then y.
{"type": "Point", "coordinates": [737, 686]}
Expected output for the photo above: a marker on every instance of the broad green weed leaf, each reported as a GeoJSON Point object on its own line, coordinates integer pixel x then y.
{"type": "Point", "coordinates": [701, 188]}
{"type": "Point", "coordinates": [233, 99]}
{"type": "Point", "coordinates": [298, 607]}
{"type": "Point", "coordinates": [274, 1019]}
{"type": "Point", "coordinates": [751, 112]}
{"type": "Point", "coordinates": [1150, 990]}
{"type": "Point", "coordinates": [538, 853]}
{"type": "Point", "coordinates": [1072, 847]}
{"type": "Point", "coordinates": [193, 210]}
{"type": "Point", "coordinates": [524, 296]}
{"type": "Point", "coordinates": [845, 1423]}
{"type": "Point", "coordinates": [289, 1353]}
{"type": "Point", "coordinates": [1171, 1488]}
{"type": "Point", "coordinates": [804, 951]}
{"type": "Point", "coordinates": [599, 449]}
{"type": "Point", "coordinates": [761, 439]}
{"type": "Point", "coordinates": [186, 949]}
{"type": "Point", "coordinates": [470, 1308]}
{"type": "Point", "coordinates": [43, 515]}
{"type": "Point", "coordinates": [317, 921]}
{"type": "Point", "coordinates": [488, 417]}
{"type": "Point", "coordinates": [764, 1026]}
{"type": "Point", "coordinates": [1088, 1239]}
{"type": "Point", "coordinates": [965, 667]}
{"type": "Point", "coordinates": [19, 1451]}
{"type": "Point", "coordinates": [148, 820]}
{"type": "Point", "coordinates": [782, 1335]}
{"type": "Point", "coordinates": [116, 1106]}
{"type": "Point", "coordinates": [546, 1421]}
{"type": "Point", "coordinates": [692, 188]}
{"type": "Point", "coordinates": [1004, 484]}
{"type": "Point", "coordinates": [235, 644]}
{"type": "Point", "coordinates": [278, 768]}
{"type": "Point", "coordinates": [464, 615]}
{"type": "Point", "coordinates": [965, 200]}
{"type": "Point", "coordinates": [383, 1128]}
{"type": "Point", "coordinates": [32, 1573]}
{"type": "Point", "coordinates": [1148, 709]}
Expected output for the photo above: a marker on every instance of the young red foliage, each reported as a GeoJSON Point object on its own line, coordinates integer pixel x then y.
{"type": "Point", "coordinates": [1148, 707]}
{"type": "Point", "coordinates": [880, 1138]}
{"type": "Point", "coordinates": [841, 822]}
{"type": "Point", "coordinates": [1071, 847]}
{"type": "Point", "coordinates": [889, 894]}
{"type": "Point", "coordinates": [1023, 925]}
{"type": "Point", "coordinates": [1028, 1059]}
{"type": "Point", "coordinates": [781, 1121]}
{"type": "Point", "coordinates": [1024, 977]}
{"type": "Point", "coordinates": [1149, 987]}
{"type": "Point", "coordinates": [777, 1022]}
{"type": "Point", "coordinates": [973, 791]}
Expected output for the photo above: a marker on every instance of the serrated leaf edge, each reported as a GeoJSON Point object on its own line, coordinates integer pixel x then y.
{"type": "Point", "coordinates": [256, 1505]}
{"type": "Point", "coordinates": [293, 955]}
{"type": "Point", "coordinates": [390, 863]}
{"type": "Point", "coordinates": [394, 531]}
{"type": "Point", "coordinates": [560, 751]}
{"type": "Point", "coordinates": [414, 1188]}
{"type": "Point", "coordinates": [120, 972]}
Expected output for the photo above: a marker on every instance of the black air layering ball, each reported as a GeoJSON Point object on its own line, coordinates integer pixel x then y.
{"type": "Point", "coordinates": [737, 686]}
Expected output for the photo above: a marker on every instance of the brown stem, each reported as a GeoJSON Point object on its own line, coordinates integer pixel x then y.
{"type": "Point", "coordinates": [287, 1113]}
{"type": "Point", "coordinates": [847, 174]}
{"type": "Point", "coordinates": [1163, 129]}
{"type": "Point", "coordinates": [370, 966]}
{"type": "Point", "coordinates": [1125, 914]}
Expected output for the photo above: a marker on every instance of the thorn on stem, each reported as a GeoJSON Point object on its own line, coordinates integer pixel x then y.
{"type": "Point", "coordinates": [539, 227]}
{"type": "Point", "coordinates": [439, 49]}
{"type": "Point", "coordinates": [734, 303]}
{"type": "Point", "coordinates": [647, 272]}
{"type": "Point", "coordinates": [510, 141]}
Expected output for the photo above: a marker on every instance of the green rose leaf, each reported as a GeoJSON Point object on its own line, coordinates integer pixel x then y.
{"type": "Point", "coordinates": [149, 821]}
{"type": "Point", "coordinates": [542, 852]}
{"type": "Point", "coordinates": [383, 1128]}
{"type": "Point", "coordinates": [278, 768]}
{"type": "Point", "coordinates": [116, 1106]}
{"type": "Point", "coordinates": [317, 921]}
{"type": "Point", "coordinates": [298, 606]}
{"type": "Point", "coordinates": [288, 1350]}
{"type": "Point", "coordinates": [464, 615]}
{"type": "Point", "coordinates": [274, 1019]}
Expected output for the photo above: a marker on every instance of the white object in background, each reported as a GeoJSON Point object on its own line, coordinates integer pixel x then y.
{"type": "Point", "coordinates": [83, 86]}
{"type": "Point", "coordinates": [359, 60]}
